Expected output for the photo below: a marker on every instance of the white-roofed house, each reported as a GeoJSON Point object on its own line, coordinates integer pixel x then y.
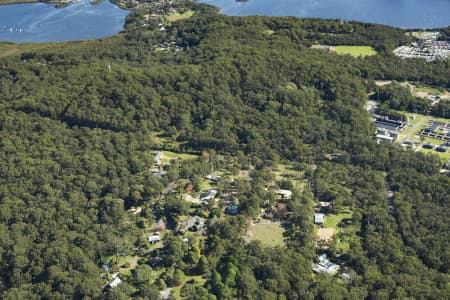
{"type": "Point", "coordinates": [319, 218]}
{"type": "Point", "coordinates": [114, 282]}
{"type": "Point", "coordinates": [284, 194]}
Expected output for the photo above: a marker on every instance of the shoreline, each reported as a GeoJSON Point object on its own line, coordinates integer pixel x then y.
{"type": "Point", "coordinates": [351, 20]}
{"type": "Point", "coordinates": [56, 2]}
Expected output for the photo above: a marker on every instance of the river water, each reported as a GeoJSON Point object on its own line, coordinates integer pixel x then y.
{"type": "Point", "coordinates": [40, 22]}
{"type": "Point", "coordinates": [399, 13]}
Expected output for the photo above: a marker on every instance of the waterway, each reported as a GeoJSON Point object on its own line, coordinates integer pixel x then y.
{"type": "Point", "coordinates": [40, 22]}
{"type": "Point", "coordinates": [399, 13]}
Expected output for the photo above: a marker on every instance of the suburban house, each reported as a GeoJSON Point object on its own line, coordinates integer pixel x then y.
{"type": "Point", "coordinates": [159, 174]}
{"type": "Point", "coordinates": [114, 282]}
{"type": "Point", "coordinates": [157, 156]}
{"type": "Point", "coordinates": [107, 267]}
{"type": "Point", "coordinates": [154, 239]}
{"type": "Point", "coordinates": [284, 194]}
{"type": "Point", "coordinates": [280, 211]}
{"type": "Point", "coordinates": [211, 194]}
{"type": "Point", "coordinates": [325, 204]}
{"type": "Point", "coordinates": [319, 218]}
{"type": "Point", "coordinates": [194, 223]}
{"type": "Point", "coordinates": [213, 177]}
{"type": "Point", "coordinates": [232, 209]}
{"type": "Point", "coordinates": [135, 210]}
{"type": "Point", "coordinates": [155, 261]}
{"type": "Point", "coordinates": [324, 265]}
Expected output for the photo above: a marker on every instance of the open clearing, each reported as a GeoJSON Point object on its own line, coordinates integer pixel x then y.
{"type": "Point", "coordinates": [331, 229]}
{"type": "Point", "coordinates": [167, 156]}
{"type": "Point", "coordinates": [284, 172]}
{"type": "Point", "coordinates": [269, 234]}
{"type": "Point", "coordinates": [332, 221]}
{"type": "Point", "coordinates": [132, 262]}
{"type": "Point", "coordinates": [325, 234]}
{"type": "Point", "coordinates": [178, 16]}
{"type": "Point", "coordinates": [356, 51]}
{"type": "Point", "coordinates": [420, 91]}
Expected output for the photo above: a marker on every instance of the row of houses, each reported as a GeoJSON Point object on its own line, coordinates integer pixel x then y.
{"type": "Point", "coordinates": [429, 53]}
{"type": "Point", "coordinates": [426, 47]}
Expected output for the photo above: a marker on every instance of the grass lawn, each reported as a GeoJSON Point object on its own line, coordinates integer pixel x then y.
{"type": "Point", "coordinates": [417, 119]}
{"type": "Point", "coordinates": [344, 235]}
{"type": "Point", "coordinates": [168, 156]}
{"type": "Point", "coordinates": [343, 241]}
{"type": "Point", "coordinates": [132, 261]}
{"type": "Point", "coordinates": [206, 185]}
{"type": "Point", "coordinates": [418, 33]}
{"type": "Point", "coordinates": [431, 90]}
{"type": "Point", "coordinates": [178, 16]}
{"type": "Point", "coordinates": [284, 171]}
{"type": "Point", "coordinates": [332, 221]}
{"type": "Point", "coordinates": [356, 51]}
{"type": "Point", "coordinates": [268, 234]}
{"type": "Point", "coordinates": [269, 32]}
{"type": "Point", "coordinates": [291, 86]}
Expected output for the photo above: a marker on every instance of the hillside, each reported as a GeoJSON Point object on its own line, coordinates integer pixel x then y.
{"type": "Point", "coordinates": [250, 102]}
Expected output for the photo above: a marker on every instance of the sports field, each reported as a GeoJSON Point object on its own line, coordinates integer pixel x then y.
{"type": "Point", "coordinates": [356, 51]}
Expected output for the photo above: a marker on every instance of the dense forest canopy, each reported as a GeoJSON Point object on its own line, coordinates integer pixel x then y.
{"type": "Point", "coordinates": [76, 123]}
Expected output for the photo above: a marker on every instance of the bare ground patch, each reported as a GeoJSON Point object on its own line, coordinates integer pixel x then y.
{"type": "Point", "coordinates": [325, 234]}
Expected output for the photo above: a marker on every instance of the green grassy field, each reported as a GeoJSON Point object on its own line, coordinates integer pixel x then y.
{"type": "Point", "coordinates": [356, 51]}
{"type": "Point", "coordinates": [168, 156]}
{"type": "Point", "coordinates": [431, 90]}
{"type": "Point", "coordinates": [343, 235]}
{"type": "Point", "coordinates": [291, 86]}
{"type": "Point", "coordinates": [332, 221]}
{"type": "Point", "coordinates": [177, 16]}
{"type": "Point", "coordinates": [269, 32]}
{"type": "Point", "coordinates": [284, 171]}
{"type": "Point", "coordinates": [205, 185]}
{"type": "Point", "coordinates": [268, 234]}
{"type": "Point", "coordinates": [418, 33]}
